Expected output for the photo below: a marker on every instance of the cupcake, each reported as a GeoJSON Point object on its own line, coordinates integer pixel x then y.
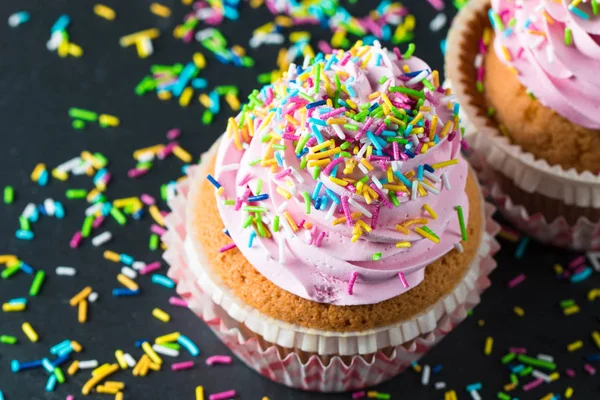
{"type": "Point", "coordinates": [334, 233]}
{"type": "Point", "coordinates": [527, 76]}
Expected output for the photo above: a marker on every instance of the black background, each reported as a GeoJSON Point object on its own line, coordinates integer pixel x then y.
{"type": "Point", "coordinates": [36, 90]}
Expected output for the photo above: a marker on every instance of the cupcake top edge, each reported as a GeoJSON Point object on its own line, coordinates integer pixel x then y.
{"type": "Point", "coordinates": [343, 180]}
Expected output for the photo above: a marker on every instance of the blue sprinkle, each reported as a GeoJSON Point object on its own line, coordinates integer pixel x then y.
{"type": "Point", "coordinates": [331, 60]}
{"type": "Point", "coordinates": [318, 203]}
{"type": "Point", "coordinates": [59, 210]}
{"type": "Point", "coordinates": [302, 153]}
{"type": "Point", "coordinates": [56, 348]}
{"type": "Point", "coordinates": [28, 269]}
{"type": "Point", "coordinates": [410, 154]}
{"type": "Point", "coordinates": [188, 344]}
{"type": "Point", "coordinates": [317, 134]}
{"type": "Point", "coordinates": [473, 386]}
{"type": "Point", "coordinates": [19, 300]}
{"type": "Point", "coordinates": [580, 13]}
{"type": "Point", "coordinates": [581, 276]}
{"type": "Point", "coordinates": [24, 235]}
{"type": "Point", "coordinates": [126, 259]}
{"type": "Point", "coordinates": [61, 23]}
{"type": "Point", "coordinates": [251, 239]}
{"type": "Point", "coordinates": [324, 201]}
{"type": "Point", "coordinates": [521, 247]}
{"type": "Point", "coordinates": [225, 231]}
{"type": "Point", "coordinates": [47, 365]}
{"type": "Point", "coordinates": [62, 358]}
{"type": "Point", "coordinates": [428, 168]}
{"type": "Point", "coordinates": [35, 215]}
{"type": "Point", "coordinates": [106, 209]}
{"type": "Point", "coordinates": [51, 384]}
{"type": "Point", "coordinates": [122, 292]}
{"type": "Point", "coordinates": [332, 196]}
{"type": "Point", "coordinates": [259, 197]}
{"type": "Point", "coordinates": [16, 366]}
{"type": "Point", "coordinates": [456, 108]}
{"type": "Point", "coordinates": [420, 172]}
{"type": "Point", "coordinates": [317, 190]}
{"type": "Point", "coordinates": [279, 159]}
{"type": "Point", "coordinates": [315, 104]}
{"type": "Point", "coordinates": [199, 83]}
{"type": "Point", "coordinates": [403, 179]}
{"type": "Point", "coordinates": [213, 181]}
{"type": "Point", "coordinates": [163, 281]}
{"type": "Point", "coordinates": [319, 122]}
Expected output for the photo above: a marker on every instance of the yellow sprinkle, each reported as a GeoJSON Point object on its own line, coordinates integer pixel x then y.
{"type": "Point", "coordinates": [182, 154]}
{"type": "Point", "coordinates": [414, 221]}
{"type": "Point", "coordinates": [338, 181]}
{"type": "Point", "coordinates": [402, 229]}
{"type": "Point", "coordinates": [199, 60]}
{"type": "Point", "coordinates": [510, 386]}
{"type": "Point", "coordinates": [127, 282]}
{"type": "Point", "coordinates": [37, 171]}
{"type": "Point", "coordinates": [74, 50]}
{"type": "Point", "coordinates": [13, 307]}
{"type": "Point", "coordinates": [199, 393]}
{"type": "Point", "coordinates": [75, 300]}
{"type": "Point", "coordinates": [596, 337]}
{"type": "Point", "coordinates": [161, 315]}
{"type": "Point", "coordinates": [156, 215]}
{"type": "Point", "coordinates": [489, 344]}
{"type": "Point", "coordinates": [89, 385]}
{"type": "Point", "coordinates": [436, 79]}
{"type": "Point", "coordinates": [367, 164]}
{"type": "Point", "coordinates": [151, 353]}
{"type": "Point", "coordinates": [106, 389]}
{"type": "Point", "coordinates": [506, 52]}
{"type": "Point", "coordinates": [342, 220]}
{"type": "Point", "coordinates": [549, 396]}
{"type": "Point", "coordinates": [569, 392]}
{"type": "Point", "coordinates": [575, 345]}
{"type": "Point", "coordinates": [76, 346]}
{"type": "Point", "coordinates": [8, 259]}
{"type": "Point", "coordinates": [119, 396]}
{"type": "Point", "coordinates": [519, 311]}
{"type": "Point", "coordinates": [427, 235]}
{"type": "Point", "coordinates": [133, 38]}
{"type": "Point", "coordinates": [220, 191]}
{"type": "Point", "coordinates": [171, 337]}
{"type": "Point", "coordinates": [73, 368]}
{"type": "Point", "coordinates": [445, 163]}
{"type": "Point", "coordinates": [324, 154]}
{"type": "Point", "coordinates": [336, 121]}
{"type": "Point", "coordinates": [154, 367]}
{"type": "Point", "coordinates": [430, 211]}
{"type": "Point", "coordinates": [120, 356]}
{"type": "Point", "coordinates": [283, 192]}
{"type": "Point", "coordinates": [291, 221]}
{"type": "Point", "coordinates": [112, 256]}
{"type": "Point", "coordinates": [554, 376]}
{"type": "Point", "coordinates": [571, 310]}
{"type": "Point", "coordinates": [401, 245]}
{"type": "Point", "coordinates": [30, 332]}
{"type": "Point", "coordinates": [105, 12]}
{"type": "Point", "coordinates": [592, 294]}
{"type": "Point", "coordinates": [108, 120]}
{"type": "Point", "coordinates": [364, 225]}
{"type": "Point", "coordinates": [319, 147]}
{"type": "Point", "coordinates": [319, 163]}
{"type": "Point", "coordinates": [115, 384]}
{"type": "Point", "coordinates": [186, 96]}
{"type": "Point", "coordinates": [433, 127]}
{"type": "Point", "coordinates": [160, 10]}
{"type": "Point", "coordinates": [82, 312]}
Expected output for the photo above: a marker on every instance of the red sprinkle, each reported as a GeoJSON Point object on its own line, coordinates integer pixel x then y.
{"type": "Point", "coordinates": [227, 248]}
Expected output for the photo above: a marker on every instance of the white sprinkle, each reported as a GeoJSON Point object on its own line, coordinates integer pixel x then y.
{"type": "Point", "coordinates": [28, 210]}
{"type": "Point", "coordinates": [440, 385]}
{"type": "Point", "coordinates": [171, 192]}
{"type": "Point", "coordinates": [363, 168]}
{"type": "Point", "coordinates": [93, 297]}
{"type": "Point", "coordinates": [377, 182]}
{"type": "Point", "coordinates": [478, 61]}
{"type": "Point", "coordinates": [307, 236]}
{"type": "Point", "coordinates": [425, 375]}
{"type": "Point", "coordinates": [360, 208]}
{"type": "Point", "coordinates": [458, 246]}
{"type": "Point", "coordinates": [330, 212]}
{"type": "Point", "coordinates": [296, 175]}
{"type": "Point", "coordinates": [204, 34]}
{"type": "Point", "coordinates": [145, 46]}
{"type": "Point", "coordinates": [66, 271]}
{"type": "Point", "coordinates": [165, 351]}
{"type": "Point", "coordinates": [286, 227]}
{"type": "Point", "coordinates": [129, 272]}
{"type": "Point", "coordinates": [101, 239]}
{"type": "Point", "coordinates": [594, 258]}
{"type": "Point", "coordinates": [88, 364]}
{"type": "Point", "coordinates": [338, 131]}
{"type": "Point", "coordinates": [281, 209]}
{"type": "Point", "coordinates": [417, 79]}
{"type": "Point", "coordinates": [137, 265]}
{"type": "Point", "coordinates": [362, 151]}
{"type": "Point", "coordinates": [49, 207]}
{"type": "Point", "coordinates": [545, 357]}
{"type": "Point", "coordinates": [550, 54]}
{"type": "Point", "coordinates": [432, 177]}
{"type": "Point", "coordinates": [306, 62]}
{"type": "Point", "coordinates": [282, 250]}
{"type": "Point", "coordinates": [81, 168]}
{"type": "Point", "coordinates": [397, 165]}
{"type": "Point", "coordinates": [414, 190]}
{"type": "Point", "coordinates": [55, 40]}
{"type": "Point", "coordinates": [415, 140]}
{"type": "Point", "coordinates": [430, 189]}
{"type": "Point", "coordinates": [128, 359]}
{"type": "Point", "coordinates": [146, 156]}
{"type": "Point", "coordinates": [93, 209]}
{"type": "Point", "coordinates": [446, 181]}
{"type": "Point", "coordinates": [69, 165]}
{"type": "Point", "coordinates": [448, 99]}
{"type": "Point", "coordinates": [475, 395]}
{"type": "Point", "coordinates": [230, 167]}
{"type": "Point", "coordinates": [292, 71]}
{"type": "Point", "coordinates": [540, 375]}
{"type": "Point", "coordinates": [438, 22]}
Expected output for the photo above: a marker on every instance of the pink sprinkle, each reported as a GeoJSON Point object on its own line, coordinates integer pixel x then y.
{"type": "Point", "coordinates": [166, 151]}
{"type": "Point", "coordinates": [150, 268]}
{"type": "Point", "coordinates": [382, 197]}
{"type": "Point", "coordinates": [570, 373]}
{"type": "Point", "coordinates": [98, 222]}
{"type": "Point", "coordinates": [70, 397]}
{"type": "Point", "coordinates": [346, 208]}
{"type": "Point", "coordinates": [345, 59]}
{"type": "Point", "coordinates": [176, 301]}
{"type": "Point", "coordinates": [375, 217]}
{"type": "Point", "coordinates": [137, 172]}
{"type": "Point", "coordinates": [358, 395]}
{"type": "Point", "coordinates": [533, 384]}
{"type": "Point", "coordinates": [333, 113]}
{"type": "Point", "coordinates": [288, 136]}
{"type": "Point", "coordinates": [403, 280]}
{"type": "Point", "coordinates": [577, 262]}
{"type": "Point", "coordinates": [227, 248]}
{"type": "Point", "coordinates": [320, 239]}
{"type": "Point", "coordinates": [218, 360]}
{"type": "Point", "coordinates": [464, 144]}
{"type": "Point", "coordinates": [353, 277]}
{"type": "Point", "coordinates": [312, 141]}
{"type": "Point", "coordinates": [147, 199]}
{"type": "Point", "coordinates": [516, 280]}
{"type": "Point", "coordinates": [396, 151]}
{"type": "Point", "coordinates": [76, 240]}
{"type": "Point", "coordinates": [106, 178]}
{"type": "Point", "coordinates": [173, 134]}
{"type": "Point", "coordinates": [324, 47]}
{"type": "Point", "coordinates": [223, 395]}
{"type": "Point", "coordinates": [182, 366]}
{"type": "Point", "coordinates": [301, 223]}
{"type": "Point", "coordinates": [363, 131]}
{"type": "Point", "coordinates": [590, 370]}
{"type": "Point", "coordinates": [283, 174]}
{"type": "Point", "coordinates": [517, 350]}
{"type": "Point", "coordinates": [245, 180]}
{"type": "Point", "coordinates": [159, 230]}
{"type": "Point", "coordinates": [332, 165]}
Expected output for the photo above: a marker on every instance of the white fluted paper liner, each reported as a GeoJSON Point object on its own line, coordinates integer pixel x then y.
{"type": "Point", "coordinates": [492, 151]}
{"type": "Point", "coordinates": [340, 361]}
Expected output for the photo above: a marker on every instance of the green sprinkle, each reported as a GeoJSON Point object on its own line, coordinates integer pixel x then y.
{"type": "Point", "coordinates": [595, 7]}
{"type": "Point", "coordinates": [461, 221]}
{"type": "Point", "coordinates": [394, 199]}
{"type": "Point", "coordinates": [153, 243]}
{"type": "Point", "coordinates": [410, 51]}
{"type": "Point", "coordinates": [306, 97]}
{"type": "Point", "coordinates": [514, 379]}
{"type": "Point", "coordinates": [432, 233]}
{"type": "Point", "coordinates": [567, 303]}
{"type": "Point", "coordinates": [497, 21]}
{"type": "Point", "coordinates": [503, 396]}
{"type": "Point", "coordinates": [351, 127]}
{"type": "Point", "coordinates": [259, 185]}
{"type": "Point", "coordinates": [407, 91]}
{"type": "Point", "coordinates": [479, 87]}
{"type": "Point", "coordinates": [144, 165]}
{"type": "Point", "coordinates": [118, 216]}
{"type": "Point", "coordinates": [101, 159]}
{"type": "Point", "coordinates": [302, 143]}
{"type": "Point", "coordinates": [306, 202]}
{"type": "Point", "coordinates": [376, 256]}
{"type": "Point", "coordinates": [252, 163]}
{"type": "Point", "coordinates": [260, 227]}
{"type": "Point", "coordinates": [345, 154]}
{"type": "Point", "coordinates": [229, 202]}
{"type": "Point", "coordinates": [248, 221]}
{"type": "Point", "coordinates": [265, 138]}
{"type": "Point", "coordinates": [276, 223]}
{"type": "Point", "coordinates": [207, 117]}
{"type": "Point", "coordinates": [265, 78]}
{"type": "Point", "coordinates": [317, 77]}
{"type": "Point", "coordinates": [10, 271]}
{"type": "Point", "coordinates": [85, 115]}
{"type": "Point", "coordinates": [6, 339]}
{"type": "Point", "coordinates": [279, 146]}
{"type": "Point", "coordinates": [86, 228]}
{"type": "Point", "coordinates": [174, 346]}
{"type": "Point", "coordinates": [383, 80]}
{"type": "Point", "coordinates": [76, 194]}
{"type": "Point", "coordinates": [361, 115]}
{"type": "Point", "coordinates": [345, 145]}
{"type": "Point", "coordinates": [163, 192]}
{"type": "Point", "coordinates": [508, 358]}
{"type": "Point", "coordinates": [316, 172]}
{"type": "Point", "coordinates": [491, 111]}
{"type": "Point", "coordinates": [36, 285]}
{"type": "Point", "coordinates": [536, 362]}
{"type": "Point", "coordinates": [568, 36]}
{"type": "Point", "coordinates": [428, 85]}
{"type": "Point", "coordinates": [255, 209]}
{"type": "Point", "coordinates": [9, 194]}
{"type": "Point", "coordinates": [24, 223]}
{"type": "Point", "coordinates": [78, 124]}
{"type": "Point", "coordinates": [303, 163]}
{"type": "Point", "coordinates": [60, 377]}
{"type": "Point", "coordinates": [526, 371]}
{"type": "Point", "coordinates": [383, 396]}
{"type": "Point", "coordinates": [396, 139]}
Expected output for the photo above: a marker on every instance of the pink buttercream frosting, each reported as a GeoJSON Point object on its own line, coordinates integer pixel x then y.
{"type": "Point", "coordinates": [319, 261]}
{"type": "Point", "coordinates": [563, 74]}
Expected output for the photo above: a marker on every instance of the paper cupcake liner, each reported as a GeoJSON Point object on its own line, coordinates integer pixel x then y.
{"type": "Point", "coordinates": [549, 203]}
{"type": "Point", "coordinates": [309, 359]}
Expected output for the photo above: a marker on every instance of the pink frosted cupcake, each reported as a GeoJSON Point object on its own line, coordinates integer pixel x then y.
{"type": "Point", "coordinates": [530, 91]}
{"type": "Point", "coordinates": [340, 234]}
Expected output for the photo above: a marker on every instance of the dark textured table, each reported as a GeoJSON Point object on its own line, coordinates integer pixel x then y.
{"type": "Point", "coordinates": [36, 89]}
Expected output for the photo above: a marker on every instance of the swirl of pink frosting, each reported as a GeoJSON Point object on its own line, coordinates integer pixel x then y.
{"type": "Point", "coordinates": [562, 73]}
{"type": "Point", "coordinates": [320, 261]}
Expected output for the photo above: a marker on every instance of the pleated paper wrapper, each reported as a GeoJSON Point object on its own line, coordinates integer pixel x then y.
{"type": "Point", "coordinates": [308, 359]}
{"type": "Point", "coordinates": [537, 198]}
